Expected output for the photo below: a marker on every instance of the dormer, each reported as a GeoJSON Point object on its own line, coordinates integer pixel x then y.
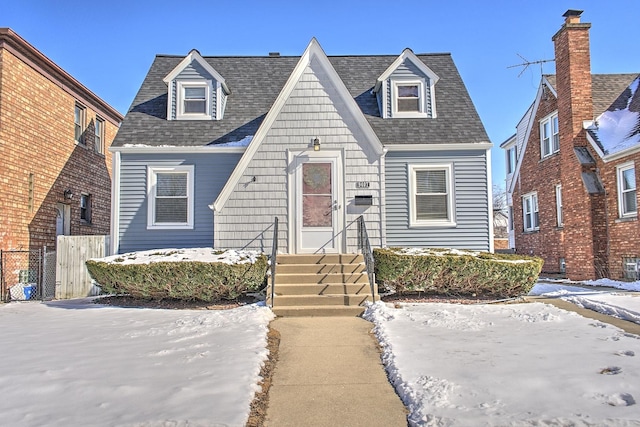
{"type": "Point", "coordinates": [407, 88]}
{"type": "Point", "coordinates": [196, 91]}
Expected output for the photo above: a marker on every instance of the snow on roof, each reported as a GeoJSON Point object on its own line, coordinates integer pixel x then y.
{"type": "Point", "coordinates": [244, 142]}
{"type": "Point", "coordinates": [618, 129]}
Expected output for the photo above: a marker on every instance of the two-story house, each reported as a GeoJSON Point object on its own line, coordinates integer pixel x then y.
{"type": "Point", "coordinates": [55, 166]}
{"type": "Point", "coordinates": [214, 148]}
{"type": "Point", "coordinates": [571, 166]}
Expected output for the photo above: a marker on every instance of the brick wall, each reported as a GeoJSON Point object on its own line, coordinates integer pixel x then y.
{"type": "Point", "coordinates": [575, 104]}
{"type": "Point", "coordinates": [623, 234]}
{"type": "Point", "coordinates": [39, 158]}
{"type": "Point", "coordinates": [540, 176]}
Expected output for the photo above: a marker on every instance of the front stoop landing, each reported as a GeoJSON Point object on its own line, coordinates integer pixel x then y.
{"type": "Point", "coordinates": [321, 285]}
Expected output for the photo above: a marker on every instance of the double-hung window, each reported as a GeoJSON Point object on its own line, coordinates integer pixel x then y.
{"type": "Point", "coordinates": [511, 160]}
{"type": "Point", "coordinates": [627, 198]}
{"type": "Point", "coordinates": [98, 144]}
{"type": "Point", "coordinates": [194, 100]}
{"type": "Point", "coordinates": [549, 136]}
{"type": "Point", "coordinates": [408, 99]}
{"type": "Point", "coordinates": [530, 212]}
{"type": "Point", "coordinates": [79, 120]}
{"type": "Point", "coordinates": [170, 196]}
{"type": "Point", "coordinates": [431, 195]}
{"type": "Point", "coordinates": [85, 207]}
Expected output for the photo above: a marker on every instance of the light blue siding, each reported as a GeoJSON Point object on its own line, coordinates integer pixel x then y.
{"type": "Point", "coordinates": [211, 172]}
{"type": "Point", "coordinates": [471, 201]}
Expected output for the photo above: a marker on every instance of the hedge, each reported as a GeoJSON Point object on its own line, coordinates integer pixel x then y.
{"type": "Point", "coordinates": [444, 272]}
{"type": "Point", "coordinates": [183, 280]}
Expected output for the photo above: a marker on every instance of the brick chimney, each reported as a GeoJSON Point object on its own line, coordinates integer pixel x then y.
{"type": "Point", "coordinates": [575, 104]}
{"type": "Point", "coordinates": [573, 76]}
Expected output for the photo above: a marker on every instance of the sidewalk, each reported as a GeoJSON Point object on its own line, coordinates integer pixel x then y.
{"type": "Point", "coordinates": [329, 373]}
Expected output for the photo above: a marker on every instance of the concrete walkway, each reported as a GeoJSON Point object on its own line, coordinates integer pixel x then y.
{"type": "Point", "coordinates": [329, 373]}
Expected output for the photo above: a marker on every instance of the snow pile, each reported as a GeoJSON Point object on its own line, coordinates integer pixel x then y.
{"type": "Point", "coordinates": [73, 363]}
{"type": "Point", "coordinates": [508, 365]}
{"type": "Point", "coordinates": [175, 255]}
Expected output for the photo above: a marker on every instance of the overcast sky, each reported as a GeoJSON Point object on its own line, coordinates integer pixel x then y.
{"type": "Point", "coordinates": [109, 46]}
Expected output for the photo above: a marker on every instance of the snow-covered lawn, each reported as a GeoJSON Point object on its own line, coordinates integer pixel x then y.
{"type": "Point", "coordinates": [508, 365]}
{"type": "Point", "coordinates": [74, 363]}
{"type": "Point", "coordinates": [69, 363]}
{"type": "Point", "coordinates": [624, 306]}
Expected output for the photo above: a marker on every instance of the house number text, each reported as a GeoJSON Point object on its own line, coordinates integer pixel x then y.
{"type": "Point", "coordinates": [362, 184]}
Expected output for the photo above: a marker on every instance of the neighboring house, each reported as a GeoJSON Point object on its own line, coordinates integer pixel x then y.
{"type": "Point", "coordinates": [573, 188]}
{"type": "Point", "coordinates": [214, 148]}
{"type": "Point", "coordinates": [55, 166]}
{"type": "Point", "coordinates": [500, 230]}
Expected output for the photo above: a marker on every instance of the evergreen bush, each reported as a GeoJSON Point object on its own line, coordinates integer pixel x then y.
{"type": "Point", "coordinates": [445, 272]}
{"type": "Point", "coordinates": [183, 280]}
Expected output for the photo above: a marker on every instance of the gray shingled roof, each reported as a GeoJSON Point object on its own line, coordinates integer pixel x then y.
{"type": "Point", "coordinates": [605, 89]}
{"type": "Point", "coordinates": [255, 83]}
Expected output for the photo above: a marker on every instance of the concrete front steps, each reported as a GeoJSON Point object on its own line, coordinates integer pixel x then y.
{"type": "Point", "coordinates": [321, 285]}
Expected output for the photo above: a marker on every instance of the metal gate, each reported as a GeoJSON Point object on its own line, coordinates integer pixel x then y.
{"type": "Point", "coordinates": [27, 275]}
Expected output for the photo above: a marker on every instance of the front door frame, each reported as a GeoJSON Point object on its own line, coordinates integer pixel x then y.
{"type": "Point", "coordinates": [295, 161]}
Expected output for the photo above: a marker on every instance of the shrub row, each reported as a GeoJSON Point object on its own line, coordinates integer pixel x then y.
{"type": "Point", "coordinates": [483, 274]}
{"type": "Point", "coordinates": [188, 281]}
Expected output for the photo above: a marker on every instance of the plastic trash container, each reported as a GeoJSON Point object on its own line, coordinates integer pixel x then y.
{"type": "Point", "coordinates": [28, 291]}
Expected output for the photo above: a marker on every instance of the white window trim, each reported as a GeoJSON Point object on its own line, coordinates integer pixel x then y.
{"type": "Point", "coordinates": [552, 151]}
{"type": "Point", "coordinates": [524, 211]}
{"type": "Point", "coordinates": [619, 171]}
{"type": "Point", "coordinates": [83, 123]}
{"type": "Point", "coordinates": [511, 160]}
{"type": "Point", "coordinates": [180, 86]}
{"type": "Point", "coordinates": [99, 147]}
{"type": "Point", "coordinates": [559, 210]}
{"type": "Point", "coordinates": [151, 199]}
{"type": "Point", "coordinates": [421, 101]}
{"type": "Point", "coordinates": [413, 221]}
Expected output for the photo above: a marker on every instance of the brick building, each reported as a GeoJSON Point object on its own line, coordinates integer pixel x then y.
{"type": "Point", "coordinates": [571, 179]}
{"type": "Point", "coordinates": [55, 167]}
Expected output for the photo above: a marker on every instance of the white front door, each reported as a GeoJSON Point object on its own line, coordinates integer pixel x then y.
{"type": "Point", "coordinates": [317, 209]}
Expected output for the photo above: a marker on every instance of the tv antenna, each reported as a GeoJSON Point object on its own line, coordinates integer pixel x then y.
{"type": "Point", "coordinates": [527, 63]}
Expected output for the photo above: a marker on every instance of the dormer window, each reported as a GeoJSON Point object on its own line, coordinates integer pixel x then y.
{"type": "Point", "coordinates": [407, 88]}
{"type": "Point", "coordinates": [193, 100]}
{"type": "Point", "coordinates": [408, 98]}
{"type": "Point", "coordinates": [195, 90]}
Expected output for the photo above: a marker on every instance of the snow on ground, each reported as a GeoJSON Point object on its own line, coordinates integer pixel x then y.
{"type": "Point", "coordinates": [624, 306]}
{"type": "Point", "coordinates": [508, 365]}
{"type": "Point", "coordinates": [75, 363]}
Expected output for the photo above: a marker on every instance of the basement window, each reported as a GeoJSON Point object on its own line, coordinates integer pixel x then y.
{"type": "Point", "coordinates": [630, 267]}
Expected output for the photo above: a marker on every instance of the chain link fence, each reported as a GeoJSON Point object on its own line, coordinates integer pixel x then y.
{"type": "Point", "coordinates": [27, 275]}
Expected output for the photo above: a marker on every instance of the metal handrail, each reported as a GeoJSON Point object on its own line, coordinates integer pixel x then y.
{"type": "Point", "coordinates": [274, 252]}
{"type": "Point", "coordinates": [364, 246]}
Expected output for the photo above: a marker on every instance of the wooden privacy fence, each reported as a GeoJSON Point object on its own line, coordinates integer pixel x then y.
{"type": "Point", "coordinates": [72, 277]}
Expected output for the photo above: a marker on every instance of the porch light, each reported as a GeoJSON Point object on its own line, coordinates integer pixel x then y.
{"type": "Point", "coordinates": [316, 144]}
{"type": "Point", "coordinates": [68, 194]}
